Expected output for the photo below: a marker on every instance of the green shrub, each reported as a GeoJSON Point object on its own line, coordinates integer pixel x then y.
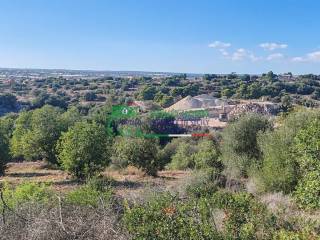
{"type": "Point", "coordinates": [279, 171]}
{"type": "Point", "coordinates": [202, 183]}
{"type": "Point", "coordinates": [184, 157]}
{"type": "Point", "coordinates": [165, 154]}
{"type": "Point", "coordinates": [245, 217]}
{"type": "Point", "coordinates": [139, 152]}
{"type": "Point", "coordinates": [290, 235]}
{"type": "Point", "coordinates": [201, 189]}
{"type": "Point", "coordinates": [284, 150]}
{"type": "Point", "coordinates": [18, 145]}
{"type": "Point", "coordinates": [26, 192]}
{"type": "Point", "coordinates": [308, 191]}
{"type": "Point", "coordinates": [191, 154]}
{"type": "Point", "coordinates": [307, 145]}
{"type": "Point", "coordinates": [100, 183]}
{"type": "Point", "coordinates": [89, 195]}
{"type": "Point", "coordinates": [83, 150]}
{"type": "Point", "coordinates": [36, 134]}
{"type": "Point", "coordinates": [165, 217]}
{"type": "Point", "coordinates": [207, 156]}
{"type": "Point", "coordinates": [240, 149]}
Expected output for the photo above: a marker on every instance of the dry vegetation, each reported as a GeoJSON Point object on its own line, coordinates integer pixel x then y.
{"type": "Point", "coordinates": [127, 182]}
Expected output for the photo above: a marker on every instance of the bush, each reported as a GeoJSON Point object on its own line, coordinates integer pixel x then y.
{"type": "Point", "coordinates": [167, 218]}
{"type": "Point", "coordinates": [279, 170]}
{"type": "Point", "coordinates": [183, 158]}
{"type": "Point", "coordinates": [83, 150]}
{"type": "Point", "coordinates": [191, 154]}
{"type": "Point", "coordinates": [165, 154]}
{"type": "Point", "coordinates": [89, 195]}
{"type": "Point", "coordinates": [281, 164]}
{"type": "Point", "coordinates": [139, 152]}
{"type": "Point", "coordinates": [307, 145]}
{"type": "Point", "coordinates": [308, 191]}
{"type": "Point", "coordinates": [203, 183]}
{"type": "Point", "coordinates": [208, 156]}
{"type": "Point", "coordinates": [25, 192]}
{"type": "Point", "coordinates": [239, 142]}
{"type": "Point", "coordinates": [18, 147]}
{"type": "Point", "coordinates": [100, 183]}
{"type": "Point", "coordinates": [245, 217]}
{"type": "Point", "coordinates": [147, 93]}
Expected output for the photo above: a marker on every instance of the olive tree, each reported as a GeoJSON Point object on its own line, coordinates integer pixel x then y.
{"type": "Point", "coordinates": [139, 152]}
{"type": "Point", "coordinates": [284, 150]}
{"type": "Point", "coordinates": [83, 149]}
{"type": "Point", "coordinates": [36, 132]}
{"type": "Point", "coordinates": [240, 149]}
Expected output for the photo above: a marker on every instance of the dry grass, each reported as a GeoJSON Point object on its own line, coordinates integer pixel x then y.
{"type": "Point", "coordinates": [127, 182]}
{"type": "Point", "coordinates": [285, 207]}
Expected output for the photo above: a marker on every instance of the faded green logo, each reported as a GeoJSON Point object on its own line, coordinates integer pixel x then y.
{"type": "Point", "coordinates": [123, 111]}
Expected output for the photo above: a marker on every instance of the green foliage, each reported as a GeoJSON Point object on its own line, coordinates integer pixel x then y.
{"type": "Point", "coordinates": [240, 149]}
{"type": "Point", "coordinates": [172, 82]}
{"type": "Point", "coordinates": [83, 150]}
{"type": "Point", "coordinates": [139, 152]}
{"type": "Point", "coordinates": [201, 189]}
{"type": "Point", "coordinates": [291, 235]}
{"type": "Point", "coordinates": [194, 154]}
{"type": "Point", "coordinates": [279, 171]}
{"type": "Point", "coordinates": [49, 99]}
{"type": "Point", "coordinates": [166, 101]}
{"type": "Point", "coordinates": [70, 117]}
{"type": "Point", "coordinates": [167, 218]}
{"type": "Point", "coordinates": [177, 91]}
{"type": "Point", "coordinates": [89, 195]}
{"type": "Point", "coordinates": [306, 148]}
{"type": "Point", "coordinates": [26, 192]}
{"type": "Point", "coordinates": [190, 90]}
{"type": "Point", "coordinates": [165, 154]}
{"type": "Point", "coordinates": [203, 183]}
{"type": "Point", "coordinates": [307, 145]}
{"type": "Point", "coordinates": [36, 134]}
{"type": "Point", "coordinates": [100, 182]}
{"type": "Point", "coordinates": [148, 93]}
{"type": "Point", "coordinates": [184, 157]}
{"type": "Point", "coordinates": [246, 218]}
{"type": "Point", "coordinates": [18, 147]}
{"type": "Point", "coordinates": [227, 92]}
{"type": "Point", "coordinates": [208, 155]}
{"type": "Point", "coordinates": [45, 132]}
{"type": "Point", "coordinates": [308, 191]}
{"type": "Point", "coordinates": [101, 114]}
{"type": "Point", "coordinates": [282, 151]}
{"type": "Point", "coordinates": [6, 128]}
{"type": "Point", "coordinates": [286, 103]}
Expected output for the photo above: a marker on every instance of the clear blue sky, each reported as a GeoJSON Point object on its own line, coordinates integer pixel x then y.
{"type": "Point", "coordinates": [202, 36]}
